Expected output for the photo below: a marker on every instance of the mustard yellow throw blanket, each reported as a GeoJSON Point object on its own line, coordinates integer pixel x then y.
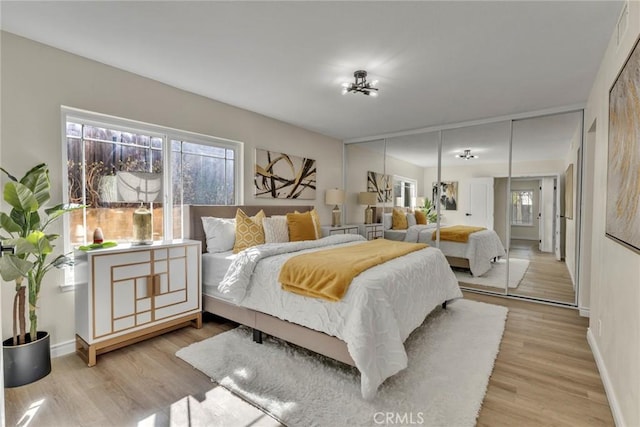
{"type": "Point", "coordinates": [457, 233]}
{"type": "Point", "coordinates": [327, 274]}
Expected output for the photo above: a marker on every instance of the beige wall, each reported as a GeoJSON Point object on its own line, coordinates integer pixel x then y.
{"type": "Point", "coordinates": [361, 158]}
{"type": "Point", "coordinates": [37, 80]}
{"type": "Point", "coordinates": [571, 223]}
{"type": "Point", "coordinates": [614, 270]}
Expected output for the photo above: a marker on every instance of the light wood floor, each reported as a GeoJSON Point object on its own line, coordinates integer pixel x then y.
{"type": "Point", "coordinates": [544, 375]}
{"type": "Point", "coordinates": [545, 278]}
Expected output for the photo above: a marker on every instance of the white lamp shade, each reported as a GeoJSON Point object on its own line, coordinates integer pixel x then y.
{"type": "Point", "coordinates": [334, 196]}
{"type": "Point", "coordinates": [419, 201]}
{"type": "Point", "coordinates": [367, 198]}
{"type": "Point", "coordinates": [143, 187]}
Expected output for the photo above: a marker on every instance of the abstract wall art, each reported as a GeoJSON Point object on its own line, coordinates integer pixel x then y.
{"type": "Point", "coordinates": [623, 171]}
{"type": "Point", "coordinates": [381, 184]}
{"type": "Point", "coordinates": [448, 195]}
{"type": "Point", "coordinates": [283, 176]}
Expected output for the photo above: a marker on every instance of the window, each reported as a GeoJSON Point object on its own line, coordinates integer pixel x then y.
{"type": "Point", "coordinates": [522, 207]}
{"type": "Point", "coordinates": [404, 191]}
{"type": "Point", "coordinates": [115, 165]}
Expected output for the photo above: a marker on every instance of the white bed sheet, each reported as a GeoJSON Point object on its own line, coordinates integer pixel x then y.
{"type": "Point", "coordinates": [214, 268]}
{"type": "Point", "coordinates": [381, 308]}
{"type": "Point", "coordinates": [482, 247]}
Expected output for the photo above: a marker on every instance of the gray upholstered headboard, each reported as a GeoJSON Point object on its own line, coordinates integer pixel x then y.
{"type": "Point", "coordinates": [195, 231]}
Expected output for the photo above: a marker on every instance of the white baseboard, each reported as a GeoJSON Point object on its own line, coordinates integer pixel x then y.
{"type": "Point", "coordinates": [584, 311]}
{"type": "Point", "coordinates": [606, 381]}
{"type": "Point", "coordinates": [63, 348]}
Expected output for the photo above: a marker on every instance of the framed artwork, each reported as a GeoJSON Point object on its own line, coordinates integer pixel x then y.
{"type": "Point", "coordinates": [568, 192]}
{"type": "Point", "coordinates": [448, 195]}
{"type": "Point", "coordinates": [283, 176]}
{"type": "Point", "coordinates": [381, 184]}
{"type": "Point", "coordinates": [623, 178]}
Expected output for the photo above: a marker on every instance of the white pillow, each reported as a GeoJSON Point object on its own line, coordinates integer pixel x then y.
{"type": "Point", "coordinates": [276, 229]}
{"type": "Point", "coordinates": [411, 219]}
{"type": "Point", "coordinates": [387, 221]}
{"type": "Point", "coordinates": [220, 233]}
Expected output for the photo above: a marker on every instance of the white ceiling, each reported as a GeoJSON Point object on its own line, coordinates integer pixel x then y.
{"type": "Point", "coordinates": [436, 62]}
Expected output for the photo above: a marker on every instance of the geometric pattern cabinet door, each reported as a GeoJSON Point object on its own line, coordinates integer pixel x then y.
{"type": "Point", "coordinates": [126, 294]}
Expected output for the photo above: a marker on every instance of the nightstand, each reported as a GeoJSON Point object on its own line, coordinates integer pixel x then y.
{"type": "Point", "coordinates": [328, 230]}
{"type": "Point", "coordinates": [371, 231]}
{"type": "Point", "coordinates": [129, 293]}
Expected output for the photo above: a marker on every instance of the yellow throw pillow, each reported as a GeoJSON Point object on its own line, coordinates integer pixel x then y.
{"type": "Point", "coordinates": [421, 217]}
{"type": "Point", "coordinates": [301, 227]}
{"type": "Point", "coordinates": [249, 231]}
{"type": "Point", "coordinates": [316, 222]}
{"type": "Point", "coordinates": [399, 220]}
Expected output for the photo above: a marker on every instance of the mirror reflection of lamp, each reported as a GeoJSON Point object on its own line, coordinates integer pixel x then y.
{"type": "Point", "coordinates": [335, 197]}
{"type": "Point", "coordinates": [142, 187]}
{"type": "Point", "coordinates": [367, 198]}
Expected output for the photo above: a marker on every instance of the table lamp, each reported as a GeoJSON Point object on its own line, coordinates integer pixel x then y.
{"type": "Point", "coordinates": [367, 198]}
{"type": "Point", "coordinates": [335, 197]}
{"type": "Point", "coordinates": [143, 187]}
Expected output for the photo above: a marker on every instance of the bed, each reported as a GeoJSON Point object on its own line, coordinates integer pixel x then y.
{"type": "Point", "coordinates": [366, 329]}
{"type": "Point", "coordinates": [476, 255]}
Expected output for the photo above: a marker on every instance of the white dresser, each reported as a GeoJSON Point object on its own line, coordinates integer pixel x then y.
{"type": "Point", "coordinates": [129, 293]}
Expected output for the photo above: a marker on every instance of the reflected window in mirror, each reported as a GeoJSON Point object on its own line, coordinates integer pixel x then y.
{"type": "Point", "coordinates": [522, 207]}
{"type": "Point", "coordinates": [404, 191]}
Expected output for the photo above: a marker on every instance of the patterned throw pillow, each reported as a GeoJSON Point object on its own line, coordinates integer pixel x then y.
{"type": "Point", "coordinates": [301, 227]}
{"type": "Point", "coordinates": [399, 220]}
{"type": "Point", "coordinates": [249, 231]}
{"type": "Point", "coordinates": [421, 217]}
{"type": "Point", "coordinates": [276, 229]}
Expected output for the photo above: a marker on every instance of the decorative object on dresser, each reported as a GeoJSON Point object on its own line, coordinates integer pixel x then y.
{"type": "Point", "coordinates": [140, 187]}
{"type": "Point", "coordinates": [283, 176]}
{"type": "Point", "coordinates": [623, 187]}
{"type": "Point", "coordinates": [367, 198]}
{"type": "Point", "coordinates": [27, 356]}
{"type": "Point", "coordinates": [335, 197]}
{"type": "Point", "coordinates": [127, 294]}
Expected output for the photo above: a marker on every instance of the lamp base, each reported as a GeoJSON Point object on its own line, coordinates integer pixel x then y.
{"type": "Point", "coordinates": [368, 215]}
{"type": "Point", "coordinates": [142, 226]}
{"type": "Point", "coordinates": [336, 215]}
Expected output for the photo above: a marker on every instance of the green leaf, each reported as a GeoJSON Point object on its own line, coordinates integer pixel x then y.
{"type": "Point", "coordinates": [19, 218]}
{"type": "Point", "coordinates": [63, 261]}
{"type": "Point", "coordinates": [20, 197]}
{"type": "Point", "coordinates": [34, 221]}
{"type": "Point", "coordinates": [39, 240]}
{"type": "Point", "coordinates": [61, 209]}
{"type": "Point", "coordinates": [37, 180]}
{"type": "Point", "coordinates": [11, 177]}
{"type": "Point", "coordinates": [12, 267]}
{"type": "Point", "coordinates": [6, 223]}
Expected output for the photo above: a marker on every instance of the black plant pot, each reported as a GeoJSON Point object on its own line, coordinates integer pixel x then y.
{"type": "Point", "coordinates": [26, 363]}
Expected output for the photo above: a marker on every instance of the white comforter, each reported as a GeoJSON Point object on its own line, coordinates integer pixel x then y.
{"type": "Point", "coordinates": [381, 308]}
{"type": "Point", "coordinates": [481, 248]}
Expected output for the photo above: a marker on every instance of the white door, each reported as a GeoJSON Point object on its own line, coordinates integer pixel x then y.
{"type": "Point", "coordinates": [479, 208]}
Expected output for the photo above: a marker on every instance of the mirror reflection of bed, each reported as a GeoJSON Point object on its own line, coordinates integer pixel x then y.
{"type": "Point", "coordinates": [527, 211]}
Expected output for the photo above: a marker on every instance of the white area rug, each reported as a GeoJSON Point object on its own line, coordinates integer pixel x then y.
{"type": "Point", "coordinates": [451, 357]}
{"type": "Point", "coordinates": [496, 276]}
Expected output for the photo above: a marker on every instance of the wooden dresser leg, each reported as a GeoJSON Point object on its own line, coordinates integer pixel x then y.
{"type": "Point", "coordinates": [197, 322]}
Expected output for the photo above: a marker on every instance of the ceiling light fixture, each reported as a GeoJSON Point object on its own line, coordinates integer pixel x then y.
{"type": "Point", "coordinates": [466, 155]}
{"type": "Point", "coordinates": [361, 85]}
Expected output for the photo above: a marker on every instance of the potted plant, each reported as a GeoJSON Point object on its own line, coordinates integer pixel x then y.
{"type": "Point", "coordinates": [429, 210]}
{"type": "Point", "coordinates": [27, 354]}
